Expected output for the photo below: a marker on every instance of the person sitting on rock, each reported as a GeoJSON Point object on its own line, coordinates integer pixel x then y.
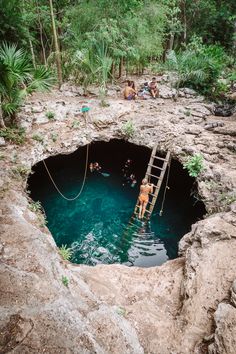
{"type": "Point", "coordinates": [153, 88]}
{"type": "Point", "coordinates": [129, 92]}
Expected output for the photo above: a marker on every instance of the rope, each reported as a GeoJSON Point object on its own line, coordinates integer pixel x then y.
{"type": "Point", "coordinates": [82, 187]}
{"type": "Point", "coordinates": [164, 196]}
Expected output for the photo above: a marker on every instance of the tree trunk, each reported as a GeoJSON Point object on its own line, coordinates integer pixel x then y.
{"type": "Point", "coordinates": [41, 35]}
{"type": "Point", "coordinates": [32, 52]}
{"type": "Point", "coordinates": [2, 124]}
{"type": "Point", "coordinates": [184, 20]}
{"type": "Point", "coordinates": [171, 42]}
{"type": "Point", "coordinates": [58, 54]}
{"type": "Point", "coordinates": [121, 67]}
{"type": "Point", "coordinates": [112, 71]}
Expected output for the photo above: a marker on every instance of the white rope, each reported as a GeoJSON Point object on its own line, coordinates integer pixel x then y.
{"type": "Point", "coordinates": [164, 196]}
{"type": "Point", "coordinates": [82, 187]}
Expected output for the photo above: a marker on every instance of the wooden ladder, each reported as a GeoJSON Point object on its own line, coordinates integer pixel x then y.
{"type": "Point", "coordinates": [155, 174]}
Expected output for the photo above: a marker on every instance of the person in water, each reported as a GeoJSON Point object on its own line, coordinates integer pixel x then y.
{"type": "Point", "coordinates": [143, 198]}
{"type": "Point", "coordinates": [127, 171]}
{"type": "Point", "coordinates": [94, 167]}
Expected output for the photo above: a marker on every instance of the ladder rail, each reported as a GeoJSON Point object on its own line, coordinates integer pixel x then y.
{"type": "Point", "coordinates": [151, 204]}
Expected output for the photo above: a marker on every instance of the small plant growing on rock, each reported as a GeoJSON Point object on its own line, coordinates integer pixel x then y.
{"type": "Point", "coordinates": [54, 137]}
{"type": "Point", "coordinates": [227, 198]}
{"type": "Point", "coordinates": [187, 113]}
{"type": "Point", "coordinates": [65, 280]}
{"type": "Point", "coordinates": [65, 252]}
{"type": "Point", "coordinates": [50, 115]}
{"type": "Point", "coordinates": [38, 138]}
{"type": "Point", "coordinates": [194, 165]}
{"type": "Point", "coordinates": [75, 124]}
{"type": "Point", "coordinates": [36, 207]}
{"type": "Point", "coordinates": [21, 171]}
{"type": "Point", "coordinates": [14, 135]}
{"type": "Point", "coordinates": [128, 129]}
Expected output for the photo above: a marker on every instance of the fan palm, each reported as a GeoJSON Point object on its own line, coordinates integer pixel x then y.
{"type": "Point", "coordinates": [18, 78]}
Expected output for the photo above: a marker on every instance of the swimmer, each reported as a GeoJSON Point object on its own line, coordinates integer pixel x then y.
{"type": "Point", "coordinates": [94, 167]}
{"type": "Point", "coordinates": [143, 198]}
{"type": "Point", "coordinates": [91, 167]}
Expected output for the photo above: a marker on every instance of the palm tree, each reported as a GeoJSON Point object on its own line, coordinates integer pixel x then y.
{"type": "Point", "coordinates": [17, 79]}
{"type": "Point", "coordinates": [188, 67]}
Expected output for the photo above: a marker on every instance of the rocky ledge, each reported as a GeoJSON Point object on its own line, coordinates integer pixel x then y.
{"type": "Point", "coordinates": [187, 305]}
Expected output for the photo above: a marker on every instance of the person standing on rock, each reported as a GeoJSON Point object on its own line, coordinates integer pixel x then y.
{"type": "Point", "coordinates": [143, 198]}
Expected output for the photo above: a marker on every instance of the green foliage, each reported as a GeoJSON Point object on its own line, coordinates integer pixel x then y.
{"type": "Point", "coordinates": [65, 281]}
{"type": "Point", "coordinates": [65, 252]}
{"type": "Point", "coordinates": [36, 207]}
{"type": "Point", "coordinates": [54, 137]}
{"type": "Point", "coordinates": [50, 115]}
{"type": "Point", "coordinates": [75, 124]}
{"type": "Point", "coordinates": [21, 171]}
{"type": "Point", "coordinates": [198, 66]}
{"type": "Point", "coordinates": [128, 129]}
{"type": "Point", "coordinates": [38, 138]}
{"type": "Point", "coordinates": [14, 135]}
{"type": "Point", "coordinates": [194, 165]}
{"type": "Point", "coordinates": [18, 78]}
{"type": "Point", "coordinates": [227, 198]}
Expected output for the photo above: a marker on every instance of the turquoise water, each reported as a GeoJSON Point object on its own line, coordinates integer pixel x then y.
{"type": "Point", "coordinates": [95, 225]}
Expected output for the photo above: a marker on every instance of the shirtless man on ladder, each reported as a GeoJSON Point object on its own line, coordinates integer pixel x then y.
{"type": "Point", "coordinates": [143, 198]}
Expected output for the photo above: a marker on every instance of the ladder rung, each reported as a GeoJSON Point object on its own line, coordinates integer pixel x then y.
{"type": "Point", "coordinates": [159, 168]}
{"type": "Point", "coordinates": [153, 195]}
{"type": "Point", "coordinates": [149, 174]}
{"type": "Point", "coordinates": [131, 223]}
{"type": "Point", "coordinates": [156, 186]}
{"type": "Point", "coordinates": [159, 158]}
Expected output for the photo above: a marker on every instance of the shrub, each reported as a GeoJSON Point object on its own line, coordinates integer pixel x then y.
{"type": "Point", "coordinates": [75, 124]}
{"type": "Point", "coordinates": [198, 67]}
{"type": "Point", "coordinates": [50, 115]}
{"type": "Point", "coordinates": [38, 138]}
{"type": "Point", "coordinates": [65, 252]}
{"type": "Point", "coordinates": [128, 129]}
{"type": "Point", "coordinates": [14, 135]}
{"type": "Point", "coordinates": [65, 281]}
{"type": "Point", "coordinates": [194, 165]}
{"type": "Point", "coordinates": [54, 137]}
{"type": "Point", "coordinates": [21, 171]}
{"type": "Point", "coordinates": [36, 207]}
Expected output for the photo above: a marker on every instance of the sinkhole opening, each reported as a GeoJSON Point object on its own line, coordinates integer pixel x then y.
{"type": "Point", "coordinates": [96, 225]}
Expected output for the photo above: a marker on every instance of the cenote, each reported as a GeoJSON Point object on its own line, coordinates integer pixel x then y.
{"type": "Point", "coordinates": [95, 225]}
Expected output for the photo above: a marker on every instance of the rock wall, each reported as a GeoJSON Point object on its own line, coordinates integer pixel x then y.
{"type": "Point", "coordinates": [184, 306]}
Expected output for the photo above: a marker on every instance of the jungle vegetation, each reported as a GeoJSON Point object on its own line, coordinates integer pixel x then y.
{"type": "Point", "coordinates": [90, 41]}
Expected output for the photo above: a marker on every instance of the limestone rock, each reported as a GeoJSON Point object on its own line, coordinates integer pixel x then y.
{"type": "Point", "coordinates": [2, 141]}
{"type": "Point", "coordinates": [225, 333]}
